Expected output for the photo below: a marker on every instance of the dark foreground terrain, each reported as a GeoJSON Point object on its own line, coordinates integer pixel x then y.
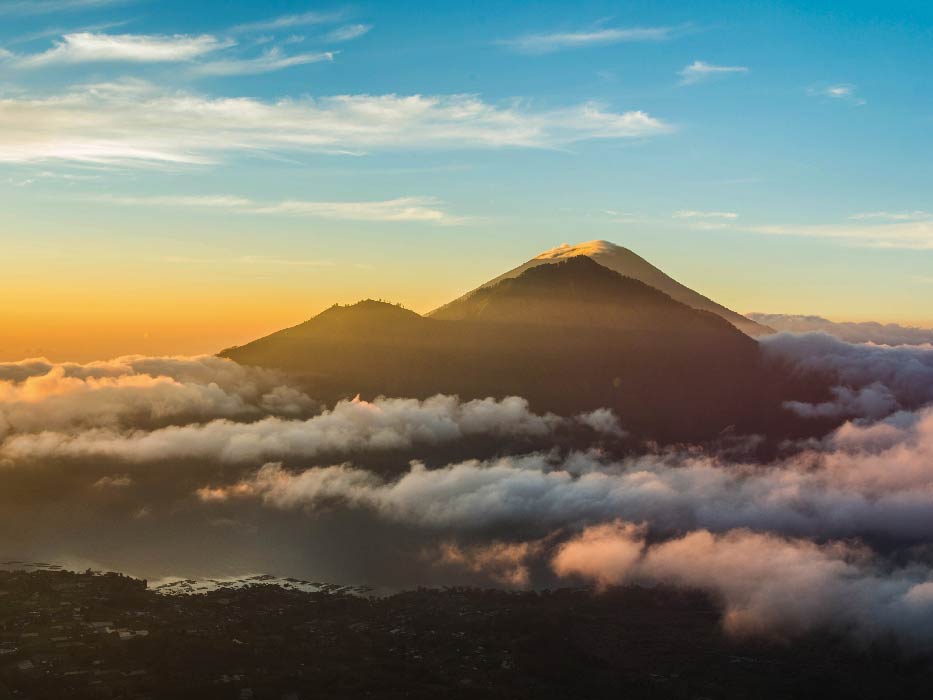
{"type": "Point", "coordinates": [65, 635]}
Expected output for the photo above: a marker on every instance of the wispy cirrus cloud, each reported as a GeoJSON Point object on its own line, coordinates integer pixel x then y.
{"type": "Point", "coordinates": [403, 209]}
{"type": "Point", "coordinates": [303, 19]}
{"type": "Point", "coordinates": [267, 62]}
{"type": "Point", "coordinates": [134, 122]}
{"type": "Point", "coordinates": [88, 47]}
{"type": "Point", "coordinates": [558, 41]}
{"type": "Point", "coordinates": [915, 235]}
{"type": "Point", "coordinates": [349, 32]}
{"type": "Point", "coordinates": [700, 71]}
{"type": "Point", "coordinates": [42, 7]}
{"type": "Point", "coordinates": [694, 214]}
{"type": "Point", "coordinates": [845, 92]}
{"type": "Point", "coordinates": [915, 215]}
{"type": "Point", "coordinates": [896, 230]}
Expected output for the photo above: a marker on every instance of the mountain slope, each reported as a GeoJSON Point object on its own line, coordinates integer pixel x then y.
{"type": "Point", "coordinates": [626, 263]}
{"type": "Point", "coordinates": [569, 337]}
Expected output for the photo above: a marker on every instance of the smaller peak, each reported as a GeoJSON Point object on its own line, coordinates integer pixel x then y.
{"type": "Point", "coordinates": [368, 307]}
{"type": "Point", "coordinates": [565, 250]}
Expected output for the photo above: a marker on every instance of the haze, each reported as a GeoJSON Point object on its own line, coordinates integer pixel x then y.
{"type": "Point", "coordinates": [178, 179]}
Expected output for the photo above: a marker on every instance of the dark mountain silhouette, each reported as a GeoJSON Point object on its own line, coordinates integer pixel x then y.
{"type": "Point", "coordinates": [570, 336]}
{"type": "Point", "coordinates": [626, 263]}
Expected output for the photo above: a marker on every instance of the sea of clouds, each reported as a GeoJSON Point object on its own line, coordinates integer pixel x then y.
{"type": "Point", "coordinates": [198, 465]}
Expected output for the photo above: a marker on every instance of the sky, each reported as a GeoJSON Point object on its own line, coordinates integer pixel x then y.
{"type": "Point", "coordinates": [179, 177]}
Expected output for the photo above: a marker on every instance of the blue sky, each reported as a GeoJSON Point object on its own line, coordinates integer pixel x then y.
{"type": "Point", "coordinates": [281, 156]}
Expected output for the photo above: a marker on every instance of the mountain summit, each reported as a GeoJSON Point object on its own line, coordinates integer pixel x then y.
{"type": "Point", "coordinates": [570, 336]}
{"type": "Point", "coordinates": [626, 263]}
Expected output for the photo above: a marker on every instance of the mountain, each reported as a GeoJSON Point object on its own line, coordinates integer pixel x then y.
{"type": "Point", "coordinates": [569, 336]}
{"type": "Point", "coordinates": [626, 263]}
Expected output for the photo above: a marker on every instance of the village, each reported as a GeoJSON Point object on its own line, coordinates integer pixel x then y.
{"type": "Point", "coordinates": [107, 636]}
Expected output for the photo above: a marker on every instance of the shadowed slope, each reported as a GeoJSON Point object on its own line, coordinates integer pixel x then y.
{"type": "Point", "coordinates": [569, 337]}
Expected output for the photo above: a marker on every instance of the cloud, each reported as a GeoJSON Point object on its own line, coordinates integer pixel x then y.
{"type": "Point", "coordinates": [700, 71]}
{"type": "Point", "coordinates": [916, 215]}
{"type": "Point", "coordinates": [349, 32]}
{"type": "Point", "coordinates": [134, 392]}
{"type": "Point", "coordinates": [903, 374]}
{"type": "Point", "coordinates": [841, 91]}
{"type": "Point", "coordinates": [864, 332]}
{"type": "Point", "coordinates": [911, 235]}
{"type": "Point", "coordinates": [402, 209]}
{"type": "Point", "coordinates": [409, 209]}
{"type": "Point", "coordinates": [41, 7]}
{"type": "Point", "coordinates": [863, 480]}
{"type": "Point", "coordinates": [134, 122]}
{"type": "Point", "coordinates": [87, 47]}
{"type": "Point", "coordinates": [351, 426]}
{"type": "Point", "coordinates": [557, 41]}
{"type": "Point", "coordinates": [271, 60]}
{"type": "Point", "coordinates": [303, 19]}
{"type": "Point", "coordinates": [829, 532]}
{"type": "Point", "coordinates": [693, 214]}
{"type": "Point", "coordinates": [766, 584]}
{"type": "Point", "coordinates": [503, 562]}
{"type": "Point", "coordinates": [873, 401]}
{"type": "Point", "coordinates": [603, 421]}
{"type": "Point", "coordinates": [605, 554]}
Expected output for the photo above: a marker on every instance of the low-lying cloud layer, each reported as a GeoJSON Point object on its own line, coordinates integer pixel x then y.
{"type": "Point", "coordinates": [351, 426]}
{"type": "Point", "coordinates": [871, 480]}
{"type": "Point", "coordinates": [204, 461]}
{"type": "Point", "coordinates": [871, 381]}
{"type": "Point", "coordinates": [865, 332]}
{"type": "Point", "coordinates": [137, 392]}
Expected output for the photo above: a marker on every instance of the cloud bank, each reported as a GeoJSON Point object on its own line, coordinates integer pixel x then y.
{"type": "Point", "coordinates": [862, 481]}
{"type": "Point", "coordinates": [865, 332]}
{"type": "Point", "coordinates": [137, 392]}
{"type": "Point", "coordinates": [351, 426]}
{"type": "Point", "coordinates": [872, 380]}
{"type": "Point", "coordinates": [829, 533]}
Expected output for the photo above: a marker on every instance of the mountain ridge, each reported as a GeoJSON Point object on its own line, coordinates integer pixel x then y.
{"type": "Point", "coordinates": [570, 336]}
